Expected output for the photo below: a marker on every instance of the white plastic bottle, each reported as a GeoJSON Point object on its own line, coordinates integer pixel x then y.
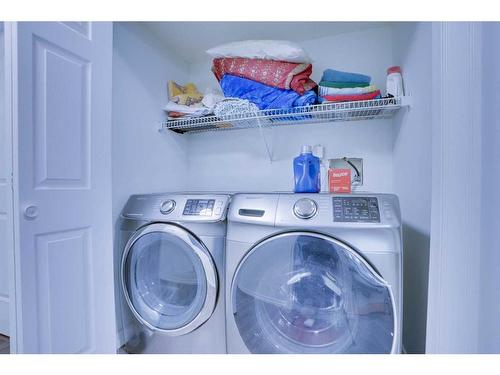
{"type": "Point", "coordinates": [394, 82]}
{"type": "Point", "coordinates": [319, 152]}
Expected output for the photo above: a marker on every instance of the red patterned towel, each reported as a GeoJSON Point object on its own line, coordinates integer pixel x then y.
{"type": "Point", "coordinates": [351, 98]}
{"type": "Point", "coordinates": [280, 74]}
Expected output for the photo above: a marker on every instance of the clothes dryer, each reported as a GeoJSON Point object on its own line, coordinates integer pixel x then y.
{"type": "Point", "coordinates": [172, 273]}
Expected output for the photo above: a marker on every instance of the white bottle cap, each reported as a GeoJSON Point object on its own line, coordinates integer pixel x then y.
{"type": "Point", "coordinates": [306, 149]}
{"type": "Point", "coordinates": [319, 151]}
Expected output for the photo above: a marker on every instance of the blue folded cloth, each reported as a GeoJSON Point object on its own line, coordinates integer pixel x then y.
{"type": "Point", "coordinates": [333, 75]}
{"type": "Point", "coordinates": [264, 96]}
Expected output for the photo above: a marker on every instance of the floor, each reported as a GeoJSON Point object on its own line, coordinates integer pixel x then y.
{"type": "Point", "coordinates": [4, 345]}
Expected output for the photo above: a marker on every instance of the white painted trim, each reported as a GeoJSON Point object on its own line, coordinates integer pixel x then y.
{"type": "Point", "coordinates": [10, 102]}
{"type": "Point", "coordinates": [4, 185]}
{"type": "Point", "coordinates": [452, 317]}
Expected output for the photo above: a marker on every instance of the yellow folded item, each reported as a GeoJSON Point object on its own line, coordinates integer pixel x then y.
{"type": "Point", "coordinates": [183, 95]}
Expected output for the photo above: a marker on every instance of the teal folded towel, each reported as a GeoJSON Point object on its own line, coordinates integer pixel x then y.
{"type": "Point", "coordinates": [332, 75]}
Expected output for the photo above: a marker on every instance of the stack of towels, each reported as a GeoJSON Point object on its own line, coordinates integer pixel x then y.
{"type": "Point", "coordinates": [186, 101]}
{"type": "Point", "coordinates": [257, 72]}
{"type": "Point", "coordinates": [338, 86]}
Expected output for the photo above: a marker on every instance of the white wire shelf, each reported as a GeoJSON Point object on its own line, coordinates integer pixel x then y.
{"type": "Point", "coordinates": [321, 113]}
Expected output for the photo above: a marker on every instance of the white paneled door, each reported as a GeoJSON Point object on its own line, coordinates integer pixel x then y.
{"type": "Point", "coordinates": [62, 183]}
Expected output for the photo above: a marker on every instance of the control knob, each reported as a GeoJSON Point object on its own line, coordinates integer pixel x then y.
{"type": "Point", "coordinates": [167, 206]}
{"type": "Point", "coordinates": [305, 208]}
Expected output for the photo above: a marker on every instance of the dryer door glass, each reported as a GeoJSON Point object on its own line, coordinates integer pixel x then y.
{"type": "Point", "coordinates": [307, 293]}
{"type": "Point", "coordinates": [169, 279]}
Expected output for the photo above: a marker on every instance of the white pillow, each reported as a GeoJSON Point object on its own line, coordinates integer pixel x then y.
{"type": "Point", "coordinates": [281, 50]}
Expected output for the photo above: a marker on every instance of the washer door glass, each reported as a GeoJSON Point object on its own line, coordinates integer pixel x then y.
{"type": "Point", "coordinates": [169, 278]}
{"type": "Point", "coordinates": [308, 293]}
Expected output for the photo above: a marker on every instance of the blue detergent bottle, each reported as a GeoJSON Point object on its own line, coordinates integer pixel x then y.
{"type": "Point", "coordinates": [306, 170]}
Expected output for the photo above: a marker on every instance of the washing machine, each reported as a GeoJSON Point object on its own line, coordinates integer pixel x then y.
{"type": "Point", "coordinates": [172, 273]}
{"type": "Point", "coordinates": [314, 273]}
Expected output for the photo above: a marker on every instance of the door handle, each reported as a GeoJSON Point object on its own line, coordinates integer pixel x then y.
{"type": "Point", "coordinates": [31, 212]}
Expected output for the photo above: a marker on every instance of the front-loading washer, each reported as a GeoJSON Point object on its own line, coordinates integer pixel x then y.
{"type": "Point", "coordinates": [314, 273]}
{"type": "Point", "coordinates": [172, 273]}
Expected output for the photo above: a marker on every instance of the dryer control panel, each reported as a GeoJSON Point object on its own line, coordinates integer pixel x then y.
{"type": "Point", "coordinates": [199, 207]}
{"type": "Point", "coordinates": [177, 207]}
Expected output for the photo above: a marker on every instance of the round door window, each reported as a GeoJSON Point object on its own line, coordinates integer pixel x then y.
{"type": "Point", "coordinates": [169, 279]}
{"type": "Point", "coordinates": [308, 293]}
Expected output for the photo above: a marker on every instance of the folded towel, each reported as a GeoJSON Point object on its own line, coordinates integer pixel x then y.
{"type": "Point", "coordinates": [350, 98]}
{"type": "Point", "coordinates": [346, 91]}
{"type": "Point", "coordinates": [341, 85]}
{"type": "Point", "coordinates": [339, 76]}
{"type": "Point", "coordinates": [280, 74]}
{"type": "Point", "coordinates": [195, 110]}
{"type": "Point", "coordinates": [264, 96]}
{"type": "Point", "coordinates": [173, 114]}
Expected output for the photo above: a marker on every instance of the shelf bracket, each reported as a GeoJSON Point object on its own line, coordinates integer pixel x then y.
{"type": "Point", "coordinates": [266, 143]}
{"type": "Point", "coordinates": [406, 101]}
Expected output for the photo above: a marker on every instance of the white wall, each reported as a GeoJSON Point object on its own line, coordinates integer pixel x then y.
{"type": "Point", "coordinates": [412, 174]}
{"type": "Point", "coordinates": [4, 190]}
{"type": "Point", "coordinates": [489, 323]}
{"type": "Point", "coordinates": [144, 161]}
{"type": "Point", "coordinates": [238, 161]}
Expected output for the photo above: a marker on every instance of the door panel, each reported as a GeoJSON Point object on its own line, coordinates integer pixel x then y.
{"type": "Point", "coordinates": [61, 81]}
{"type": "Point", "coordinates": [82, 28]}
{"type": "Point", "coordinates": [63, 264]}
{"type": "Point", "coordinates": [62, 164]}
{"type": "Point", "coordinates": [307, 293]}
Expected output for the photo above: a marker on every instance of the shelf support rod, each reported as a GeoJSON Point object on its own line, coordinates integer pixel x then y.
{"type": "Point", "coordinates": [268, 149]}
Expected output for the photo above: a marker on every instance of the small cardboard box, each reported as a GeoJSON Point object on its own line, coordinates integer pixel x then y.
{"type": "Point", "coordinates": [339, 180]}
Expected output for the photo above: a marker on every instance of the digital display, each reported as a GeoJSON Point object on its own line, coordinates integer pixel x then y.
{"type": "Point", "coordinates": [199, 207]}
{"type": "Point", "coordinates": [356, 209]}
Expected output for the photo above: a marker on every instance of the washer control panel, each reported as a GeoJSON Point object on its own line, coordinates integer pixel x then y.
{"type": "Point", "coordinates": [356, 209]}
{"type": "Point", "coordinates": [199, 207]}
